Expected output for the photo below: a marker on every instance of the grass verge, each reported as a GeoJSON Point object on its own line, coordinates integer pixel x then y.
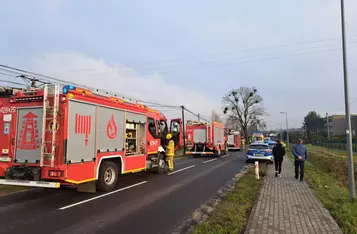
{"type": "Point", "coordinates": [7, 189]}
{"type": "Point", "coordinates": [326, 173]}
{"type": "Point", "coordinates": [232, 213]}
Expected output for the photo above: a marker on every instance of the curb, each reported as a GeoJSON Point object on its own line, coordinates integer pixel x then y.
{"type": "Point", "coordinates": [201, 214]}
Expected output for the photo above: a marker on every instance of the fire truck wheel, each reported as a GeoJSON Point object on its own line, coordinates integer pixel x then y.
{"type": "Point", "coordinates": [108, 176]}
{"type": "Point", "coordinates": [162, 164]}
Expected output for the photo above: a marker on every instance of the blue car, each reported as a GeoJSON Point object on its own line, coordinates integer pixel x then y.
{"type": "Point", "coordinates": [259, 151]}
{"type": "Point", "coordinates": [271, 144]}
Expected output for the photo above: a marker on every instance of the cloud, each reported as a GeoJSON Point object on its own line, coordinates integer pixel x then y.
{"type": "Point", "coordinates": [99, 73]}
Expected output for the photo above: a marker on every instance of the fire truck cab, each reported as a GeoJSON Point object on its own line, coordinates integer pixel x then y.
{"type": "Point", "coordinates": [176, 129]}
{"type": "Point", "coordinates": [67, 135]}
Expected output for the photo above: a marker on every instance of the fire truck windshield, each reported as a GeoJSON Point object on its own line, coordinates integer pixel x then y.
{"type": "Point", "coordinates": [162, 128]}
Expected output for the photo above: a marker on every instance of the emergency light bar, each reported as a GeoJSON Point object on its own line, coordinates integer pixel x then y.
{"type": "Point", "coordinates": [26, 99]}
{"type": "Point", "coordinates": [67, 88]}
{"type": "Point", "coordinates": [190, 122]}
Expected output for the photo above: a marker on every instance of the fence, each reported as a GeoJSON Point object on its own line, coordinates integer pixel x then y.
{"type": "Point", "coordinates": [338, 146]}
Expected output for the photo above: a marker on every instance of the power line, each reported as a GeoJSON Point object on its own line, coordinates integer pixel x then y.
{"type": "Point", "coordinates": [232, 61]}
{"type": "Point", "coordinates": [18, 72]}
{"type": "Point", "coordinates": [61, 81]}
{"type": "Point", "coordinates": [219, 54]}
{"type": "Point", "coordinates": [355, 100]}
{"type": "Point", "coordinates": [12, 82]}
{"type": "Point", "coordinates": [197, 115]}
{"type": "Point", "coordinates": [239, 60]}
{"type": "Point", "coordinates": [4, 74]}
{"type": "Point", "coordinates": [158, 104]}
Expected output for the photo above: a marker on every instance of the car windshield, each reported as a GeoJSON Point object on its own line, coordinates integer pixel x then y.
{"type": "Point", "coordinates": [259, 147]}
{"type": "Point", "coordinates": [271, 146]}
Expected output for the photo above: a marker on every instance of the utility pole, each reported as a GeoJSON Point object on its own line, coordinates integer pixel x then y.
{"type": "Point", "coordinates": [351, 181]}
{"type": "Point", "coordinates": [305, 131]}
{"type": "Point", "coordinates": [328, 126]}
{"type": "Point", "coordinates": [198, 117]}
{"type": "Point", "coordinates": [183, 129]}
{"type": "Point", "coordinates": [287, 126]}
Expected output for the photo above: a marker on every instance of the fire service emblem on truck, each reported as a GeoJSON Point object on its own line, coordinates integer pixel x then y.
{"type": "Point", "coordinates": [83, 126]}
{"type": "Point", "coordinates": [112, 128]}
{"type": "Point", "coordinates": [28, 137]}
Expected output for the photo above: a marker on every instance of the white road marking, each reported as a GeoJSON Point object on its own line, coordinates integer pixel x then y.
{"type": "Point", "coordinates": [211, 160]}
{"type": "Point", "coordinates": [182, 169]}
{"type": "Point", "coordinates": [225, 156]}
{"type": "Point", "coordinates": [103, 195]}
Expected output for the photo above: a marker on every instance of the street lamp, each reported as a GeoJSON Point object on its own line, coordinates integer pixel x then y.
{"type": "Point", "coordinates": [281, 131]}
{"type": "Point", "coordinates": [351, 181]}
{"type": "Point", "coordinates": [287, 126]}
{"type": "Point", "coordinates": [328, 126]}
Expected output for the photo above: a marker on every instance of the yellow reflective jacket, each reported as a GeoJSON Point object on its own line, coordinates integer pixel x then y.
{"type": "Point", "coordinates": [170, 149]}
{"type": "Point", "coordinates": [282, 144]}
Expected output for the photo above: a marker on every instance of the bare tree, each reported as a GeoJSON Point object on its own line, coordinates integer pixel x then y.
{"type": "Point", "coordinates": [215, 117]}
{"type": "Point", "coordinates": [246, 105]}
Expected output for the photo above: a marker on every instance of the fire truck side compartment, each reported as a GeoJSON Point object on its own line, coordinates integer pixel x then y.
{"type": "Point", "coordinates": [26, 132]}
{"type": "Point", "coordinates": [81, 132]}
{"type": "Point", "coordinates": [104, 118]}
{"type": "Point", "coordinates": [199, 135]}
{"type": "Point", "coordinates": [231, 140]}
{"type": "Point", "coordinates": [136, 118]}
{"type": "Point", "coordinates": [218, 135]}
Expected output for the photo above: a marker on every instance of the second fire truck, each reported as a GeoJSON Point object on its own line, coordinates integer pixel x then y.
{"type": "Point", "coordinates": [206, 138]}
{"type": "Point", "coordinates": [234, 140]}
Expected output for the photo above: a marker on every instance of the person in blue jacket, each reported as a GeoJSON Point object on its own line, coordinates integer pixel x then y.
{"type": "Point", "coordinates": [300, 156]}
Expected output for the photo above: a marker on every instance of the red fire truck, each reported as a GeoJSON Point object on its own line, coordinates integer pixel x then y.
{"type": "Point", "coordinates": [206, 138]}
{"type": "Point", "coordinates": [66, 135]}
{"type": "Point", "coordinates": [234, 140]}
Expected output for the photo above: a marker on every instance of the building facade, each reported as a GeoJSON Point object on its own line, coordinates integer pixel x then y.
{"type": "Point", "coordinates": [337, 124]}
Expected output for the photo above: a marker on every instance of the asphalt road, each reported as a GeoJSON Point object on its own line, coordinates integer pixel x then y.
{"type": "Point", "coordinates": [143, 203]}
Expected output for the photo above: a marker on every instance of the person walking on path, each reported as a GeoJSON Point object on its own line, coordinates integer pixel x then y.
{"type": "Point", "coordinates": [300, 156]}
{"type": "Point", "coordinates": [279, 153]}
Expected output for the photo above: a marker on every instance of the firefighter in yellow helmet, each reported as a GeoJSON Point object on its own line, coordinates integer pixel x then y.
{"type": "Point", "coordinates": [170, 151]}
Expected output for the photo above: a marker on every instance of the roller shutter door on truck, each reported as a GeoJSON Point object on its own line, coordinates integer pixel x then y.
{"type": "Point", "coordinates": [199, 135]}
{"type": "Point", "coordinates": [218, 135]}
{"type": "Point", "coordinates": [231, 139]}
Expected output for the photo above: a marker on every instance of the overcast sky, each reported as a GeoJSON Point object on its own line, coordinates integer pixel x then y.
{"type": "Point", "coordinates": [190, 52]}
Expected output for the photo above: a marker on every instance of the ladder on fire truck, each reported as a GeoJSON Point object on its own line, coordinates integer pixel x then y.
{"type": "Point", "coordinates": [50, 111]}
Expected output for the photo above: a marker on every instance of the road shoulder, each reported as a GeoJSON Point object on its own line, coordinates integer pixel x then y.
{"type": "Point", "coordinates": [215, 212]}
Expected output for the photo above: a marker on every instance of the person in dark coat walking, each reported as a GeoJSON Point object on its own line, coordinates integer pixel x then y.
{"type": "Point", "coordinates": [279, 153]}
